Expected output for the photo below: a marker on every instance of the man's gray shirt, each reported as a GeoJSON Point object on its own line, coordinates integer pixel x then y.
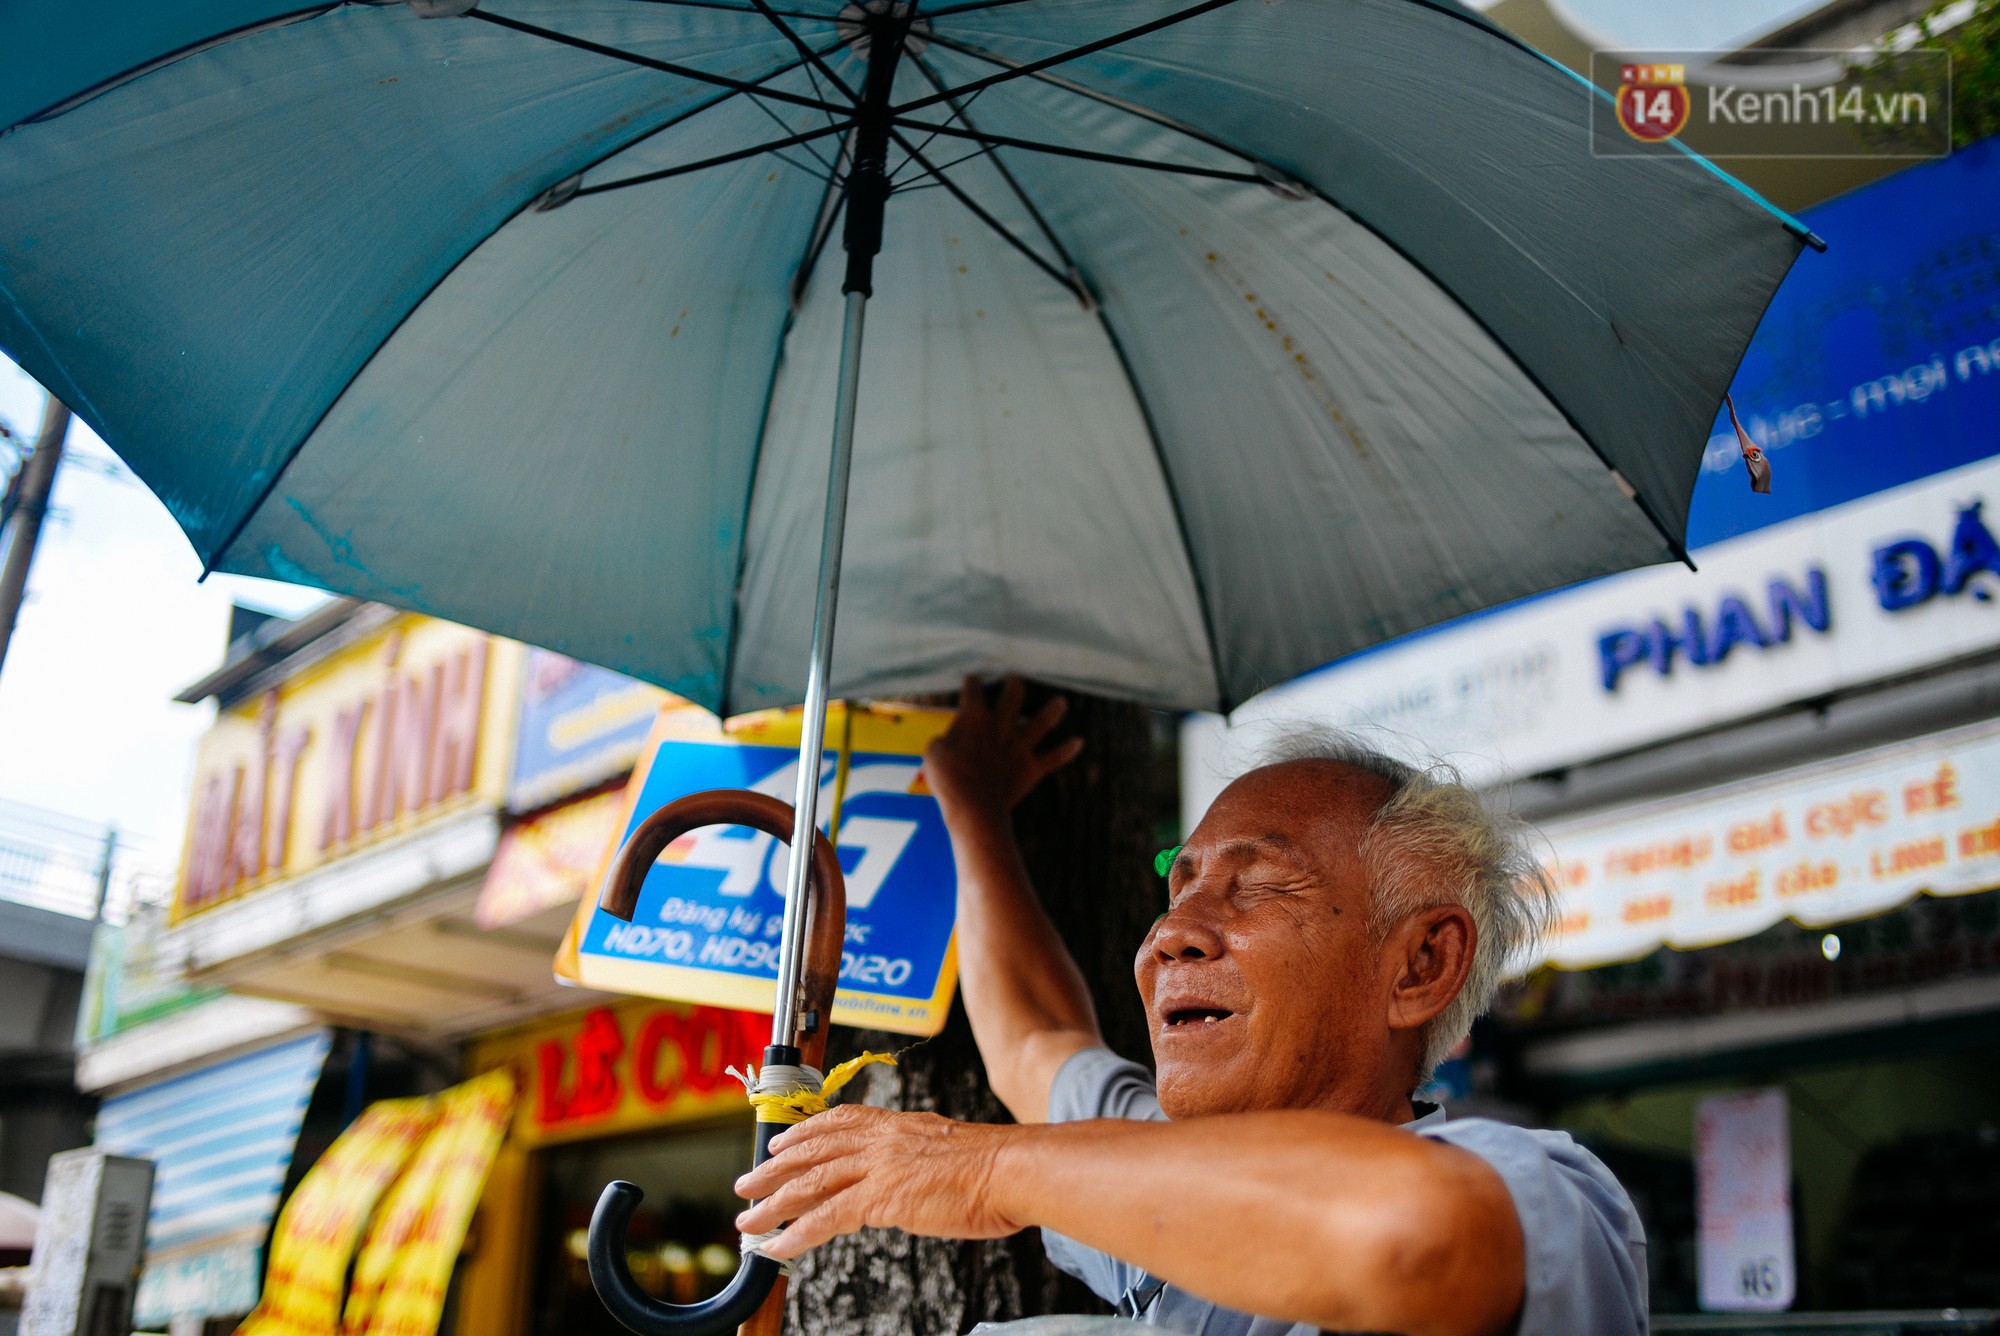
{"type": "Point", "coordinates": [1586, 1251]}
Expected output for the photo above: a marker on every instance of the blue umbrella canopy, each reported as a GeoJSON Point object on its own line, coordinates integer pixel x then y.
{"type": "Point", "coordinates": [1211, 342]}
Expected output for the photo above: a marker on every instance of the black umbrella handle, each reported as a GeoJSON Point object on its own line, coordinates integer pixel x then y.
{"type": "Point", "coordinates": [641, 1312]}
{"type": "Point", "coordinates": [757, 1276]}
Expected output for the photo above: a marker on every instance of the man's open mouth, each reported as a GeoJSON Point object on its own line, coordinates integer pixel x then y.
{"type": "Point", "coordinates": [1187, 1016]}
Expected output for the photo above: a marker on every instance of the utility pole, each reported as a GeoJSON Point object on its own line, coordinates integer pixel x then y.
{"type": "Point", "coordinates": [38, 477]}
{"type": "Point", "coordinates": [105, 863]}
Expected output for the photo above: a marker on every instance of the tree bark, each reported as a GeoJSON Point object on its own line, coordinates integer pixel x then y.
{"type": "Point", "coordinates": [1088, 836]}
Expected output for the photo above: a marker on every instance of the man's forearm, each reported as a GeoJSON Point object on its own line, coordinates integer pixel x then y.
{"type": "Point", "coordinates": [1023, 993]}
{"type": "Point", "coordinates": [1311, 1217]}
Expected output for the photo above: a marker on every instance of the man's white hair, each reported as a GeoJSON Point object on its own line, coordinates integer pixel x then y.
{"type": "Point", "coordinates": [1433, 842]}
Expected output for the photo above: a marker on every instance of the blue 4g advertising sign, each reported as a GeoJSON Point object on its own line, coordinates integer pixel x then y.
{"type": "Point", "coordinates": [707, 924]}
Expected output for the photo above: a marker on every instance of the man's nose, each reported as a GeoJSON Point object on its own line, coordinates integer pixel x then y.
{"type": "Point", "coordinates": [1187, 933]}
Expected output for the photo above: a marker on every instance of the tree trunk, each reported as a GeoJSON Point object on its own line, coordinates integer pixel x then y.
{"type": "Point", "coordinates": [1088, 835]}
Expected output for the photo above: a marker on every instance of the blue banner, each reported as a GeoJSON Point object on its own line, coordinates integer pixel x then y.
{"type": "Point", "coordinates": [580, 726]}
{"type": "Point", "coordinates": [1878, 362]}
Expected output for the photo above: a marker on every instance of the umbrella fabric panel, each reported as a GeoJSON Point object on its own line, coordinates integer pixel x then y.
{"type": "Point", "coordinates": [582, 396]}
{"type": "Point", "coordinates": [1323, 407]}
{"type": "Point", "coordinates": [1008, 508]}
{"type": "Point", "coordinates": [230, 236]}
{"type": "Point", "coordinates": [1471, 155]}
{"type": "Point", "coordinates": [122, 35]}
{"type": "Point", "coordinates": [344, 353]}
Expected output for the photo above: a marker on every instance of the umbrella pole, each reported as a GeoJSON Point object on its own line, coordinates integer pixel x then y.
{"type": "Point", "coordinates": [867, 201]}
{"type": "Point", "coordinates": [788, 1027]}
{"type": "Point", "coordinates": [797, 1028]}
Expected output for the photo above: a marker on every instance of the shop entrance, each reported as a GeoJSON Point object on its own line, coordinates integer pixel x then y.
{"type": "Point", "coordinates": [682, 1241]}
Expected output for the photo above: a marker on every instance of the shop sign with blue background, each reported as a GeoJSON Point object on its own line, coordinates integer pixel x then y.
{"type": "Point", "coordinates": [1879, 360]}
{"type": "Point", "coordinates": [580, 726]}
{"type": "Point", "coordinates": [707, 924]}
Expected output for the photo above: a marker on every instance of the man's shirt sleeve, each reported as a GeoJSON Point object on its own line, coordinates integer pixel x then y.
{"type": "Point", "coordinates": [1586, 1248]}
{"type": "Point", "coordinates": [1097, 1083]}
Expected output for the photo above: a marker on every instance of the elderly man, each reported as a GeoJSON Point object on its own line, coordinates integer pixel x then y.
{"type": "Point", "coordinates": [1333, 925]}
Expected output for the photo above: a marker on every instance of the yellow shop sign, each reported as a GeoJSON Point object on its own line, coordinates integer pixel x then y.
{"type": "Point", "coordinates": [404, 725]}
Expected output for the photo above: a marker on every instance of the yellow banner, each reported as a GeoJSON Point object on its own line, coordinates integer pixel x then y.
{"type": "Point", "coordinates": [408, 725]}
{"type": "Point", "coordinates": [317, 1232]}
{"type": "Point", "coordinates": [405, 1264]}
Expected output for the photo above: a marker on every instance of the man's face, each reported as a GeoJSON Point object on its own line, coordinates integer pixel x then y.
{"type": "Point", "coordinates": [1264, 987]}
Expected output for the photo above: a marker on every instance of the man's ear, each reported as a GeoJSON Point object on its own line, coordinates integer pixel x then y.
{"type": "Point", "coordinates": [1431, 953]}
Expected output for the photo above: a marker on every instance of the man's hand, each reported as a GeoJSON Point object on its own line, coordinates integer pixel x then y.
{"type": "Point", "coordinates": [988, 759]}
{"type": "Point", "coordinates": [857, 1166]}
{"type": "Point", "coordinates": [1023, 994]}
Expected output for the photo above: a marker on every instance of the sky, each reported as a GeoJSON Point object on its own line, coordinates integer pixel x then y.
{"type": "Point", "coordinates": [116, 622]}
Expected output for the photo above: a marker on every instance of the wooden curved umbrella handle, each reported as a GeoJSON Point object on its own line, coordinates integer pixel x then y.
{"type": "Point", "coordinates": [826, 932]}
{"type": "Point", "coordinates": [826, 909]}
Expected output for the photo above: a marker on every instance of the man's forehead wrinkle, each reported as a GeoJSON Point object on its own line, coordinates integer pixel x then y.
{"type": "Point", "coordinates": [1243, 849]}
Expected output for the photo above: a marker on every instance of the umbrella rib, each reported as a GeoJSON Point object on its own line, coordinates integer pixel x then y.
{"type": "Point", "coordinates": [829, 209]}
{"type": "Point", "coordinates": [739, 9]}
{"type": "Point", "coordinates": [664, 67]}
{"type": "Point", "coordinates": [798, 166]}
{"type": "Point", "coordinates": [684, 117]}
{"type": "Point", "coordinates": [1105, 99]}
{"type": "Point", "coordinates": [967, 8]}
{"type": "Point", "coordinates": [783, 124]}
{"type": "Point", "coordinates": [1088, 48]}
{"type": "Point", "coordinates": [928, 185]}
{"type": "Point", "coordinates": [799, 44]}
{"type": "Point", "coordinates": [1006, 173]}
{"type": "Point", "coordinates": [718, 160]}
{"type": "Point", "coordinates": [1069, 285]}
{"type": "Point", "coordinates": [1088, 155]}
{"type": "Point", "coordinates": [958, 114]}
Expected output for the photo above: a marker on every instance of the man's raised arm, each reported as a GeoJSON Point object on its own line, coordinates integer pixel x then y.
{"type": "Point", "coordinates": [1023, 993]}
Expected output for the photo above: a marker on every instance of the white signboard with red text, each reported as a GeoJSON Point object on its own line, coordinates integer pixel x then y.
{"type": "Point", "coordinates": [1821, 844]}
{"type": "Point", "coordinates": [1743, 1203]}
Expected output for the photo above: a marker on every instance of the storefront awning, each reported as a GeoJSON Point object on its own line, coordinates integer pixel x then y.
{"type": "Point", "coordinates": [1821, 844]}
{"type": "Point", "coordinates": [221, 1139]}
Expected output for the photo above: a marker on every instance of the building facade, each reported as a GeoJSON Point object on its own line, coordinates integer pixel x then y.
{"type": "Point", "coordinates": [391, 822]}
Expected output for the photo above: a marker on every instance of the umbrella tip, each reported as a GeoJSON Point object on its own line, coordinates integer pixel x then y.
{"type": "Point", "coordinates": [1283, 184]}
{"type": "Point", "coordinates": [1084, 296]}
{"type": "Point", "coordinates": [557, 195]}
